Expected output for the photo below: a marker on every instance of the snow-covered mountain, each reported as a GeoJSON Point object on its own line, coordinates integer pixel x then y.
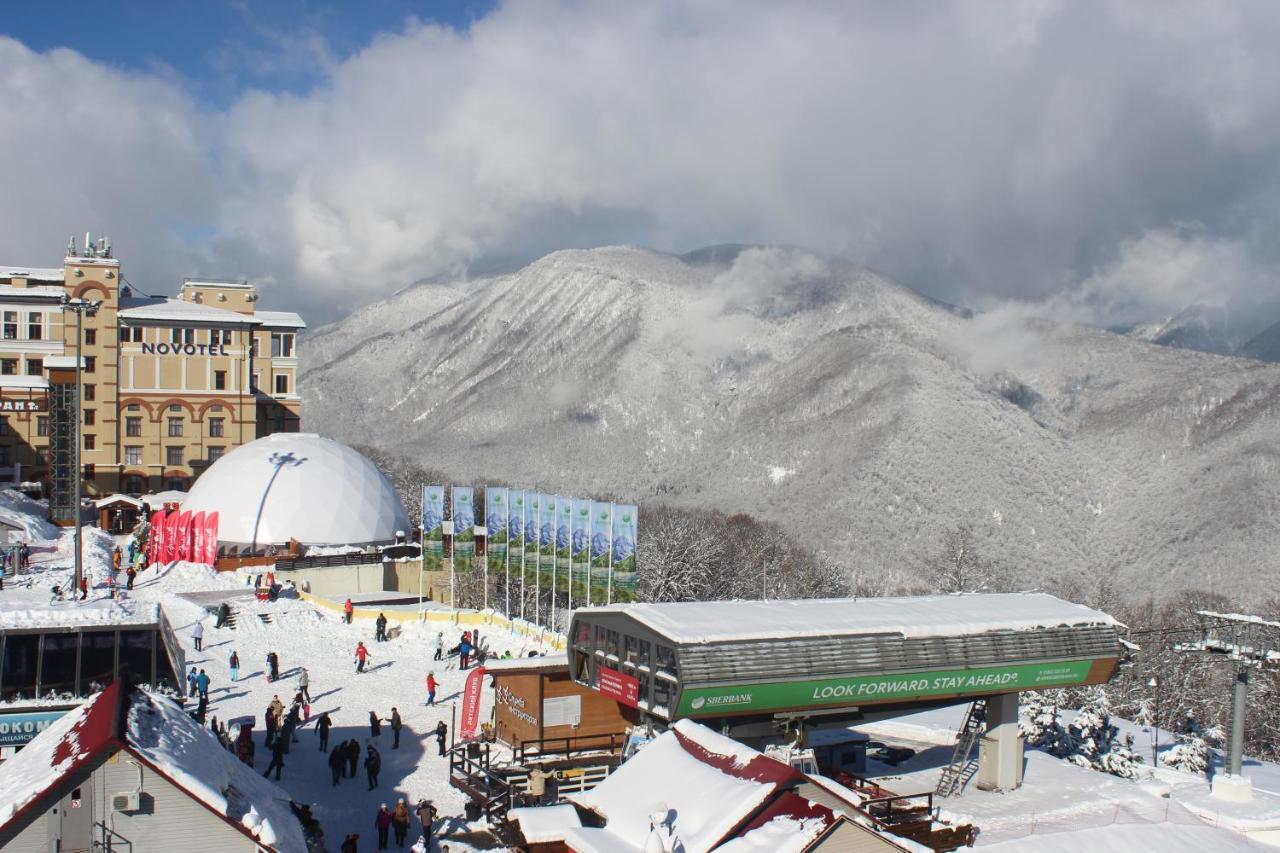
{"type": "Point", "coordinates": [867, 418]}
{"type": "Point", "coordinates": [1197, 327]}
{"type": "Point", "coordinates": [1264, 346]}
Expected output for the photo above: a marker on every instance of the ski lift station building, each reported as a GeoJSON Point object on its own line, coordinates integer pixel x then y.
{"type": "Point", "coordinates": [746, 663]}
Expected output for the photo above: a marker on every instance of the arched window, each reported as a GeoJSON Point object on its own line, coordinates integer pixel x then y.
{"type": "Point", "coordinates": [134, 485]}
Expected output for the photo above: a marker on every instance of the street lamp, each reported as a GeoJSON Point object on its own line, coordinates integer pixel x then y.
{"type": "Point", "coordinates": [1155, 727]}
{"type": "Point", "coordinates": [80, 307]}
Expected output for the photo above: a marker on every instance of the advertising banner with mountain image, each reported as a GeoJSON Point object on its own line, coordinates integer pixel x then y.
{"type": "Point", "coordinates": [515, 524]}
{"type": "Point", "coordinates": [564, 518]}
{"type": "Point", "coordinates": [601, 531]}
{"type": "Point", "coordinates": [433, 521]}
{"type": "Point", "coordinates": [580, 542]}
{"type": "Point", "coordinates": [625, 528]}
{"type": "Point", "coordinates": [547, 532]}
{"type": "Point", "coordinates": [495, 521]}
{"type": "Point", "coordinates": [532, 518]}
{"type": "Point", "coordinates": [464, 522]}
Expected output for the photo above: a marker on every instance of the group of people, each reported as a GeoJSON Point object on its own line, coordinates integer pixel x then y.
{"type": "Point", "coordinates": [398, 820]}
{"type": "Point", "coordinates": [198, 685]}
{"type": "Point", "coordinates": [345, 757]}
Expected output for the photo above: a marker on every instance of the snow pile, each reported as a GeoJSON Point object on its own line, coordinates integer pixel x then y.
{"type": "Point", "coordinates": [191, 756]}
{"type": "Point", "coordinates": [908, 616]}
{"type": "Point", "coordinates": [27, 774]}
{"type": "Point", "coordinates": [543, 824]}
{"type": "Point", "coordinates": [18, 510]}
{"type": "Point", "coordinates": [717, 744]}
{"type": "Point", "coordinates": [28, 612]}
{"type": "Point", "coordinates": [781, 835]}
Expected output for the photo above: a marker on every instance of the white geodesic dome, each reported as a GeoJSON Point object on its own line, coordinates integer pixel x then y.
{"type": "Point", "coordinates": [297, 485]}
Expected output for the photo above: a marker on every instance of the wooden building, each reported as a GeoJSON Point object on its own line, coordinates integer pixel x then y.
{"type": "Point", "coordinates": [536, 700]}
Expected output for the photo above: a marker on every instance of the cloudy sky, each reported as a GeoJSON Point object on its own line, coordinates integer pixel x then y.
{"type": "Point", "coordinates": [1123, 155]}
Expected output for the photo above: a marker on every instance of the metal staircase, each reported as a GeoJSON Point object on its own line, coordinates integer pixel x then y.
{"type": "Point", "coordinates": [956, 774]}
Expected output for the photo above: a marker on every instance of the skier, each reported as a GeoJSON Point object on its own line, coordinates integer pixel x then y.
{"type": "Point", "coordinates": [439, 645]}
{"type": "Point", "coordinates": [372, 764]}
{"type": "Point", "coordinates": [115, 558]}
{"type": "Point", "coordinates": [432, 684]}
{"type": "Point", "coordinates": [336, 763]}
{"type": "Point", "coordinates": [395, 728]}
{"type": "Point", "coordinates": [322, 729]}
{"type": "Point", "coordinates": [234, 665]}
{"type": "Point", "coordinates": [346, 610]}
{"type": "Point", "coordinates": [375, 725]}
{"type": "Point", "coordinates": [304, 681]}
{"type": "Point", "coordinates": [191, 681]}
{"type": "Point", "coordinates": [400, 821]}
{"type": "Point", "coordinates": [380, 629]}
{"type": "Point", "coordinates": [197, 634]}
{"type": "Point", "coordinates": [362, 655]}
{"type": "Point", "coordinates": [427, 817]}
{"type": "Point", "coordinates": [131, 574]}
{"type": "Point", "coordinates": [277, 757]}
{"type": "Point", "coordinates": [383, 823]}
{"type": "Point", "coordinates": [273, 666]}
{"type": "Point", "coordinates": [202, 685]}
{"type": "Point", "coordinates": [442, 732]}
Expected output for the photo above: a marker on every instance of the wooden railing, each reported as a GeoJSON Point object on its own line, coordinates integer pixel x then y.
{"type": "Point", "coordinates": [568, 746]}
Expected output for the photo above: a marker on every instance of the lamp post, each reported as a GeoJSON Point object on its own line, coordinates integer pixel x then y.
{"type": "Point", "coordinates": [1155, 726]}
{"type": "Point", "coordinates": [80, 307]}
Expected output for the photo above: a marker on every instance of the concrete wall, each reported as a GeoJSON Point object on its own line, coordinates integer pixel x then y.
{"type": "Point", "coordinates": [338, 580]}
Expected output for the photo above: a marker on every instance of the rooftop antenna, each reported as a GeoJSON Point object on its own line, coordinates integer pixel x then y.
{"type": "Point", "coordinates": [88, 244]}
{"type": "Point", "coordinates": [71, 246]}
{"type": "Point", "coordinates": [1245, 642]}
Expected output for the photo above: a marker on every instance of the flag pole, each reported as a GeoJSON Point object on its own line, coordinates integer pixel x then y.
{"type": "Point", "coordinates": [524, 538]}
{"type": "Point", "coordinates": [554, 518]}
{"type": "Point", "coordinates": [507, 559]}
{"type": "Point", "coordinates": [609, 581]}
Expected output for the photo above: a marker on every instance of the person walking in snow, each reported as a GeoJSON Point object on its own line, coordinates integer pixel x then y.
{"type": "Point", "coordinates": [347, 610]}
{"type": "Point", "coordinates": [273, 666]}
{"type": "Point", "coordinates": [115, 558]}
{"type": "Point", "coordinates": [202, 685]}
{"type": "Point", "coordinates": [372, 766]}
{"type": "Point", "coordinates": [349, 844]}
{"type": "Point", "coordinates": [277, 758]}
{"type": "Point", "coordinates": [288, 728]}
{"type": "Point", "coordinates": [382, 821]}
{"type": "Point", "coordinates": [277, 708]}
{"type": "Point", "coordinates": [426, 817]}
{"type": "Point", "coordinates": [362, 654]}
{"type": "Point", "coordinates": [304, 681]}
{"type": "Point", "coordinates": [131, 575]}
{"type": "Point", "coordinates": [396, 723]}
{"type": "Point", "coordinates": [269, 721]}
{"type": "Point", "coordinates": [337, 761]}
{"type": "Point", "coordinates": [380, 629]}
{"type": "Point", "coordinates": [197, 634]}
{"type": "Point", "coordinates": [442, 731]}
{"type": "Point", "coordinates": [191, 682]}
{"type": "Point", "coordinates": [233, 663]}
{"type": "Point", "coordinates": [400, 821]}
{"type": "Point", "coordinates": [439, 646]}
{"type": "Point", "coordinates": [322, 728]}
{"type": "Point", "coordinates": [353, 756]}
{"type": "Point", "coordinates": [432, 684]}
{"type": "Point", "coordinates": [375, 725]}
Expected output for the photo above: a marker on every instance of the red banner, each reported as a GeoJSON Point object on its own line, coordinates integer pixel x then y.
{"type": "Point", "coordinates": [197, 538]}
{"type": "Point", "coordinates": [172, 529]}
{"type": "Point", "coordinates": [471, 704]}
{"type": "Point", "coordinates": [620, 686]}
{"type": "Point", "coordinates": [210, 554]}
{"type": "Point", "coordinates": [155, 544]}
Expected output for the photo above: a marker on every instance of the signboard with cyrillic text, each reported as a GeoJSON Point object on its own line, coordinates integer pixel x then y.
{"type": "Point", "coordinates": [617, 685]}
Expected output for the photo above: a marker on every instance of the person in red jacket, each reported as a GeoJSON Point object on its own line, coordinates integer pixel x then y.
{"type": "Point", "coordinates": [362, 654]}
{"type": "Point", "coordinates": [346, 611]}
{"type": "Point", "coordinates": [432, 684]}
{"type": "Point", "coordinates": [383, 824]}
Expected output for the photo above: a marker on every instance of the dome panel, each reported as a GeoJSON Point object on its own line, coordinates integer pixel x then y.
{"type": "Point", "coordinates": [298, 486]}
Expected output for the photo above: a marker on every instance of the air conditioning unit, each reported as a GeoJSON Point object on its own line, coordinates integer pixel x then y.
{"type": "Point", "coordinates": [130, 801]}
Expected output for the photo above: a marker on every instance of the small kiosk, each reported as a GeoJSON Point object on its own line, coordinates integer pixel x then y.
{"type": "Point", "coordinates": [538, 707]}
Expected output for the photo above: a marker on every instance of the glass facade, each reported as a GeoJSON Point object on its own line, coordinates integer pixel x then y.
{"type": "Point", "coordinates": [67, 664]}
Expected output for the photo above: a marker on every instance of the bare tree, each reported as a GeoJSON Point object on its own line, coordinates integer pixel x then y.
{"type": "Point", "coordinates": [959, 568]}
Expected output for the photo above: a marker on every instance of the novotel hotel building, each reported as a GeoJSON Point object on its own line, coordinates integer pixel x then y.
{"type": "Point", "coordinates": [169, 383]}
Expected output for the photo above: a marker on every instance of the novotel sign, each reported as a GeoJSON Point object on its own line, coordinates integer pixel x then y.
{"type": "Point", "coordinates": [184, 349]}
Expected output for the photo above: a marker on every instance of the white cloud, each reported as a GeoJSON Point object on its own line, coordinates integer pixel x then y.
{"type": "Point", "coordinates": [980, 152]}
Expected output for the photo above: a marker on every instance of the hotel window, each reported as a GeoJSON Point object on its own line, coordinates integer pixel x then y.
{"type": "Point", "coordinates": [89, 392]}
{"type": "Point", "coordinates": [35, 366]}
{"type": "Point", "coordinates": [281, 345]}
{"type": "Point", "coordinates": [133, 454]}
{"type": "Point", "coordinates": [42, 453]}
{"type": "Point", "coordinates": [175, 427]}
{"type": "Point", "coordinates": [42, 425]}
{"type": "Point", "coordinates": [90, 363]}
{"type": "Point", "coordinates": [175, 407]}
{"type": "Point", "coordinates": [89, 442]}
{"type": "Point", "coordinates": [4, 456]}
{"type": "Point", "coordinates": [35, 325]}
{"type": "Point", "coordinates": [221, 336]}
{"type": "Point", "coordinates": [134, 485]}
{"type": "Point", "coordinates": [131, 335]}
{"type": "Point", "coordinates": [133, 427]}
{"type": "Point", "coordinates": [90, 336]}
{"type": "Point", "coordinates": [215, 427]}
{"type": "Point", "coordinates": [179, 335]}
{"type": "Point", "coordinates": [253, 347]}
{"type": "Point", "coordinates": [88, 417]}
{"type": "Point", "coordinates": [219, 380]}
{"type": "Point", "coordinates": [173, 455]}
{"type": "Point", "coordinates": [4, 426]}
{"type": "Point", "coordinates": [9, 366]}
{"type": "Point", "coordinates": [282, 383]}
{"type": "Point", "coordinates": [215, 453]}
{"type": "Point", "coordinates": [253, 383]}
{"type": "Point", "coordinates": [10, 325]}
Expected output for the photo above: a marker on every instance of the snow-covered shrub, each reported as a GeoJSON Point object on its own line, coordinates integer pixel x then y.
{"type": "Point", "coordinates": [1190, 753]}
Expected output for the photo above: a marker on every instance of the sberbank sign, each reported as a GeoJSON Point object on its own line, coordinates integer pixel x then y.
{"type": "Point", "coordinates": [709, 701]}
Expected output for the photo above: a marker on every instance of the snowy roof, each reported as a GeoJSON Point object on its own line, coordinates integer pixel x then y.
{"type": "Point", "coordinates": [711, 783]}
{"type": "Point", "coordinates": [62, 362]}
{"type": "Point", "coordinates": [526, 664]}
{"type": "Point", "coordinates": [25, 382]}
{"type": "Point", "coordinates": [542, 824]}
{"type": "Point", "coordinates": [8, 292]}
{"type": "Point", "coordinates": [113, 499]}
{"type": "Point", "coordinates": [158, 499]}
{"type": "Point", "coordinates": [910, 616]}
{"type": "Point", "coordinates": [293, 485]}
{"type": "Point", "coordinates": [281, 319]}
{"type": "Point", "coordinates": [234, 283]}
{"type": "Point", "coordinates": [137, 308]}
{"type": "Point", "coordinates": [39, 273]}
{"type": "Point", "coordinates": [18, 510]}
{"type": "Point", "coordinates": [17, 614]}
{"type": "Point", "coordinates": [158, 733]}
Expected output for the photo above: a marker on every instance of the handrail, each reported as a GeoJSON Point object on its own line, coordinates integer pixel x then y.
{"type": "Point", "coordinates": [613, 742]}
{"type": "Point", "coordinates": [106, 844]}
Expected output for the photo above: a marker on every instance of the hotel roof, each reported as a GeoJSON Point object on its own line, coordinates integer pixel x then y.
{"type": "Point", "coordinates": [179, 311]}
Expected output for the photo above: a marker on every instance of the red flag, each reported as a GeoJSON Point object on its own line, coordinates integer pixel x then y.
{"type": "Point", "coordinates": [197, 538]}
{"type": "Point", "coordinates": [471, 704]}
{"type": "Point", "coordinates": [210, 555]}
{"type": "Point", "coordinates": [183, 549]}
{"type": "Point", "coordinates": [172, 529]}
{"type": "Point", "coordinates": [155, 544]}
